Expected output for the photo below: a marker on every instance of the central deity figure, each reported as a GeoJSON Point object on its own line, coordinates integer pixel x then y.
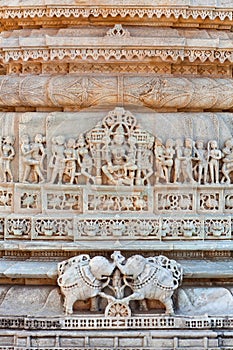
{"type": "Point", "coordinates": [121, 158]}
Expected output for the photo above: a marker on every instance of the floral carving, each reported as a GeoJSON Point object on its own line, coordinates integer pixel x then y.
{"type": "Point", "coordinates": [53, 228]}
{"type": "Point", "coordinates": [18, 227]}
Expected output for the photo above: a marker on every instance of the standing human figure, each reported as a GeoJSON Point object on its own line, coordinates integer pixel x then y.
{"type": "Point", "coordinates": [7, 155]}
{"type": "Point", "coordinates": [70, 160]}
{"type": "Point", "coordinates": [201, 156]}
{"type": "Point", "coordinates": [38, 154]}
{"type": "Point", "coordinates": [214, 155]}
{"type": "Point", "coordinates": [178, 159]}
{"type": "Point", "coordinates": [227, 166]}
{"type": "Point", "coordinates": [57, 160]}
{"type": "Point", "coordinates": [159, 160]}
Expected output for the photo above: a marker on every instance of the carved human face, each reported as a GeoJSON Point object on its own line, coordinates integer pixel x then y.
{"type": "Point", "coordinates": [60, 140]}
{"type": "Point", "coordinates": [199, 145]}
{"type": "Point", "coordinates": [71, 143]}
{"type": "Point", "coordinates": [188, 143]}
{"type": "Point", "coordinates": [213, 144]}
{"type": "Point", "coordinates": [119, 139]}
{"type": "Point", "coordinates": [169, 143]}
{"type": "Point", "coordinates": [38, 138]}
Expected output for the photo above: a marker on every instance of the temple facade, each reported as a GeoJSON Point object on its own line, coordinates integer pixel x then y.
{"type": "Point", "coordinates": [116, 175]}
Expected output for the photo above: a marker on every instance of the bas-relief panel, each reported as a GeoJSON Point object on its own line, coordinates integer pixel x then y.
{"type": "Point", "coordinates": [71, 127]}
{"type": "Point", "coordinates": [174, 169]}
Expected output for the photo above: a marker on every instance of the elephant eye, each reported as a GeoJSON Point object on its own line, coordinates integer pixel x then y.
{"type": "Point", "coordinates": [84, 258]}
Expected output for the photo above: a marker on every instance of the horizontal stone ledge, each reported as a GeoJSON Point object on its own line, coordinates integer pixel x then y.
{"type": "Point", "coordinates": [149, 91]}
{"type": "Point", "coordinates": [120, 52]}
{"type": "Point", "coordinates": [21, 4]}
{"type": "Point", "coordinates": [117, 244]}
{"type": "Point", "coordinates": [158, 326]}
{"type": "Point", "coordinates": [116, 43]}
{"type": "Point", "coordinates": [48, 270]}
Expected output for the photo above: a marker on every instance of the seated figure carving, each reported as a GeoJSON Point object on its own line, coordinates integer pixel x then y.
{"type": "Point", "coordinates": [120, 159]}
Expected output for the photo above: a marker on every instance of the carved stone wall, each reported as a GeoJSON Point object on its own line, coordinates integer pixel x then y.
{"type": "Point", "coordinates": [116, 175]}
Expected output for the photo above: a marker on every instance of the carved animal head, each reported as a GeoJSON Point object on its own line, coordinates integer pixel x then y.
{"type": "Point", "coordinates": [100, 267]}
{"type": "Point", "coordinates": [135, 265]}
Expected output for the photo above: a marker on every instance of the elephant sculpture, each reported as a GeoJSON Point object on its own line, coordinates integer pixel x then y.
{"type": "Point", "coordinates": [149, 278]}
{"type": "Point", "coordinates": [81, 278]}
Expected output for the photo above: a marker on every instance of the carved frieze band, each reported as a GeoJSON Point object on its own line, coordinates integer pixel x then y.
{"type": "Point", "coordinates": [83, 92]}
{"type": "Point", "coordinates": [116, 52]}
{"type": "Point", "coordinates": [52, 168]}
{"type": "Point", "coordinates": [100, 323]}
{"type": "Point", "coordinates": [185, 12]}
{"type": "Point", "coordinates": [125, 68]}
{"type": "Point", "coordinates": [167, 216]}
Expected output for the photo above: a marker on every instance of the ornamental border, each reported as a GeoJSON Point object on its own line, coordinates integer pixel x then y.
{"type": "Point", "coordinates": [90, 322]}
{"type": "Point", "coordinates": [125, 54]}
{"type": "Point", "coordinates": [113, 11]}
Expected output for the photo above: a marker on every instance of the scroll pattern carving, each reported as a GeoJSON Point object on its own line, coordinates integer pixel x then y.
{"type": "Point", "coordinates": [124, 228]}
{"type": "Point", "coordinates": [125, 203]}
{"type": "Point", "coordinates": [63, 201]}
{"type": "Point", "coordinates": [18, 228]}
{"type": "Point", "coordinates": [78, 199]}
{"type": "Point", "coordinates": [6, 198]}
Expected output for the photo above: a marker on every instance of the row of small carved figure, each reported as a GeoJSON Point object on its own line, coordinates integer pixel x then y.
{"type": "Point", "coordinates": [119, 161]}
{"type": "Point", "coordinates": [82, 277]}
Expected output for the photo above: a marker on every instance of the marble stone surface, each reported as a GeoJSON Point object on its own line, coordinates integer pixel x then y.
{"type": "Point", "coordinates": [116, 175]}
